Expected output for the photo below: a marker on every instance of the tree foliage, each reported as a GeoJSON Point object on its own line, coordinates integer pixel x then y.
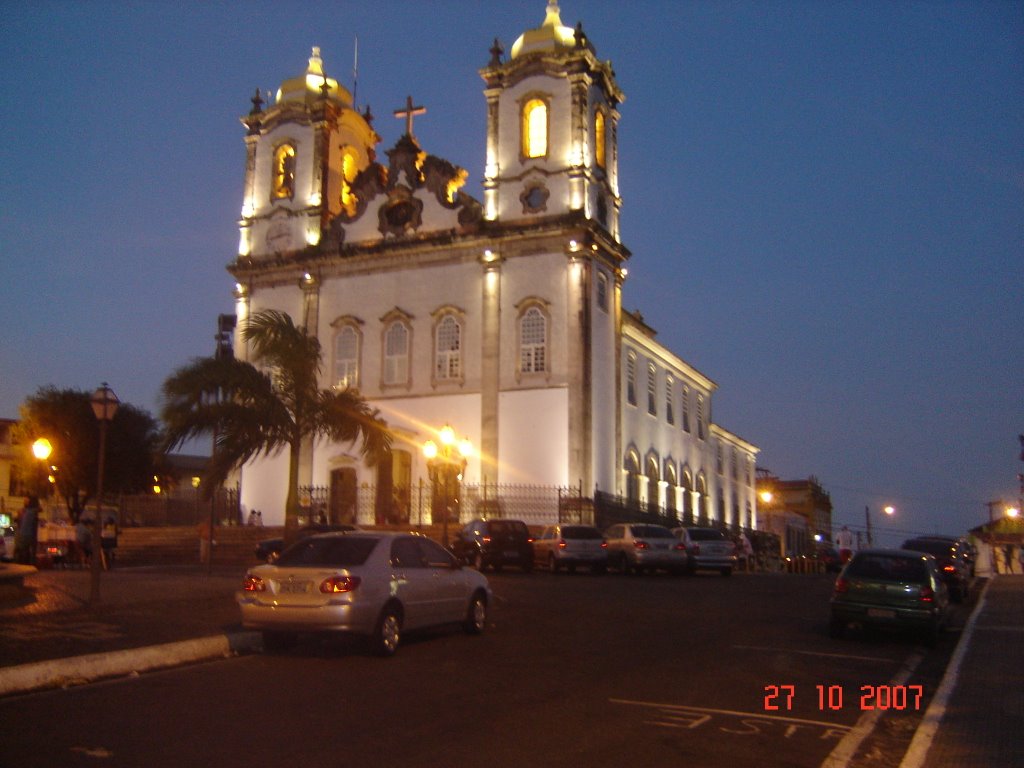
{"type": "Point", "coordinates": [264, 407]}
{"type": "Point", "coordinates": [65, 418]}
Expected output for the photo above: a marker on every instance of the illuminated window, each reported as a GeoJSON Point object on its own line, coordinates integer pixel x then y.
{"type": "Point", "coordinates": [349, 169]}
{"type": "Point", "coordinates": [535, 128]}
{"type": "Point", "coordinates": [599, 139]}
{"type": "Point", "coordinates": [533, 341]}
{"type": "Point", "coordinates": [448, 341]}
{"type": "Point", "coordinates": [396, 354]}
{"type": "Point", "coordinates": [284, 172]}
{"type": "Point", "coordinates": [346, 358]}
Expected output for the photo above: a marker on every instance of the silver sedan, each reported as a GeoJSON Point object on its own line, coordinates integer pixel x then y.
{"type": "Point", "coordinates": [374, 584]}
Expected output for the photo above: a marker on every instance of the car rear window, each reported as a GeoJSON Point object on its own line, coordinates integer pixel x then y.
{"type": "Point", "coordinates": [505, 527]}
{"type": "Point", "coordinates": [652, 532]}
{"type": "Point", "coordinates": [705, 534]}
{"type": "Point", "coordinates": [580, 532]}
{"type": "Point", "coordinates": [887, 568]}
{"type": "Point", "coordinates": [330, 551]}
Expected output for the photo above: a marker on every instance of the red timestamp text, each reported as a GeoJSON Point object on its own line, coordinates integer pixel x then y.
{"type": "Point", "coordinates": [832, 698]}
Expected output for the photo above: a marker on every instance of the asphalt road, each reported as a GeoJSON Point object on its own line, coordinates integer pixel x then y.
{"type": "Point", "coordinates": [572, 670]}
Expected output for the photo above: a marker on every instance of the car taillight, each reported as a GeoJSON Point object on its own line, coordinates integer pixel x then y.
{"type": "Point", "coordinates": [562, 544]}
{"type": "Point", "coordinates": [842, 586]}
{"type": "Point", "coordinates": [254, 584]}
{"type": "Point", "coordinates": [681, 546]}
{"type": "Point", "coordinates": [948, 568]}
{"type": "Point", "coordinates": [335, 584]}
{"type": "Point", "coordinates": [486, 539]}
{"type": "Point", "coordinates": [604, 545]}
{"type": "Point", "coordinates": [927, 595]}
{"type": "Point", "coordinates": [640, 544]}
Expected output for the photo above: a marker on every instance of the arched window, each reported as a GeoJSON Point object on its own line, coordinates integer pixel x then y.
{"type": "Point", "coordinates": [346, 357]}
{"type": "Point", "coordinates": [533, 341]}
{"type": "Point", "coordinates": [448, 346]}
{"type": "Point", "coordinates": [632, 479]}
{"type": "Point", "coordinates": [670, 489]}
{"type": "Point", "coordinates": [653, 495]}
{"type": "Point", "coordinates": [670, 411]}
{"type": "Point", "coordinates": [602, 291]}
{"type": "Point", "coordinates": [396, 353]}
{"type": "Point", "coordinates": [283, 186]}
{"type": "Point", "coordinates": [687, 497]}
{"type": "Point", "coordinates": [686, 408]}
{"type": "Point", "coordinates": [599, 139]}
{"type": "Point", "coordinates": [535, 128]}
{"type": "Point", "coordinates": [349, 170]}
{"type": "Point", "coordinates": [652, 390]}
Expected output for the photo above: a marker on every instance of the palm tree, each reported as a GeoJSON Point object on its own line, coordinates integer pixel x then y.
{"type": "Point", "coordinates": [254, 410]}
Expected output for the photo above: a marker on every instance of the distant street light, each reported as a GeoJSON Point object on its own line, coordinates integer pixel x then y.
{"type": "Point", "coordinates": [446, 463]}
{"type": "Point", "coordinates": [104, 405]}
{"type": "Point", "coordinates": [889, 510]}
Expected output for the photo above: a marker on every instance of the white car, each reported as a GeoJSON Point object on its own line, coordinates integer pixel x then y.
{"type": "Point", "coordinates": [375, 584]}
{"type": "Point", "coordinates": [636, 547]}
{"type": "Point", "coordinates": [7, 544]}
{"type": "Point", "coordinates": [709, 549]}
{"type": "Point", "coordinates": [567, 546]}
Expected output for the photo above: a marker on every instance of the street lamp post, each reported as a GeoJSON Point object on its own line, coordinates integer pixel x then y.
{"type": "Point", "coordinates": [104, 406]}
{"type": "Point", "coordinates": [889, 510]}
{"type": "Point", "coordinates": [446, 463]}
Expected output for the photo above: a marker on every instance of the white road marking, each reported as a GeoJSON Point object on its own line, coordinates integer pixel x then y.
{"type": "Point", "coordinates": [813, 653]}
{"type": "Point", "coordinates": [731, 712]}
{"type": "Point", "coordinates": [840, 756]}
{"type": "Point", "coordinates": [925, 733]}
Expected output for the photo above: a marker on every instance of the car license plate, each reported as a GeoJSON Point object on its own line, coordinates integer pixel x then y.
{"type": "Point", "coordinates": [511, 554]}
{"type": "Point", "coordinates": [295, 587]}
{"type": "Point", "coordinates": [881, 613]}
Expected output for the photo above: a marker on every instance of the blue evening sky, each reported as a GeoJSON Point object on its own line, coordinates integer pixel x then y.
{"type": "Point", "coordinates": [824, 201]}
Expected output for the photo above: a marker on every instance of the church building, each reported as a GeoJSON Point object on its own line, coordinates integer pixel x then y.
{"type": "Point", "coordinates": [501, 318]}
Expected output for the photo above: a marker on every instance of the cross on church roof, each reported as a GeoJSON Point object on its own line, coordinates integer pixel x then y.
{"type": "Point", "coordinates": [408, 113]}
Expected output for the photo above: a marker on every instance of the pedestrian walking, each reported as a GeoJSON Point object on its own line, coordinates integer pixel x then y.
{"type": "Point", "coordinates": [27, 535]}
{"type": "Point", "coordinates": [844, 543]}
{"type": "Point", "coordinates": [252, 517]}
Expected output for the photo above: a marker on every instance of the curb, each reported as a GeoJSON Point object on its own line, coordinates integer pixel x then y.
{"type": "Point", "coordinates": [78, 670]}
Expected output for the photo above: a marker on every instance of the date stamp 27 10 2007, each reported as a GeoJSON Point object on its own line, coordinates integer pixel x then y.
{"type": "Point", "coordinates": [830, 698]}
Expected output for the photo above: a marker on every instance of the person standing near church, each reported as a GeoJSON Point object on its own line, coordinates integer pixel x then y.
{"type": "Point", "coordinates": [28, 531]}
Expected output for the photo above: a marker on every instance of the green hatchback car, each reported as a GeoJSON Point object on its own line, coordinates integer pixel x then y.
{"type": "Point", "coordinates": [890, 588]}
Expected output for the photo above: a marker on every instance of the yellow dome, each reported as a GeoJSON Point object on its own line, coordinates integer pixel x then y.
{"type": "Point", "coordinates": [309, 85]}
{"type": "Point", "coordinates": [550, 37]}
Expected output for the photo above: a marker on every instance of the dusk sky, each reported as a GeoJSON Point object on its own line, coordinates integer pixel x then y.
{"type": "Point", "coordinates": [824, 202]}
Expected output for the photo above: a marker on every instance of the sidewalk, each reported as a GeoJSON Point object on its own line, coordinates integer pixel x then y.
{"type": "Point", "coordinates": [148, 617]}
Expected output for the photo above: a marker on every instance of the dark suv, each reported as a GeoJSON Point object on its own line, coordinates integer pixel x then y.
{"type": "Point", "coordinates": [494, 543]}
{"type": "Point", "coordinates": [954, 568]}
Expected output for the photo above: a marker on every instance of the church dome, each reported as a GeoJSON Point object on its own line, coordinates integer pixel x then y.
{"type": "Point", "coordinates": [550, 37]}
{"type": "Point", "coordinates": [309, 85]}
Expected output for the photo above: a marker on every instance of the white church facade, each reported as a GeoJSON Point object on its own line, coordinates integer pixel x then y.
{"type": "Point", "coordinates": [501, 318]}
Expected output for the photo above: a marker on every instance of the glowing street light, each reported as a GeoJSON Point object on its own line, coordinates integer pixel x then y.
{"type": "Point", "coordinates": [446, 463]}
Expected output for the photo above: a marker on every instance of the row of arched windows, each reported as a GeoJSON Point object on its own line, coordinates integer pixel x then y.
{"type": "Point", "coordinates": [668, 405]}
{"type": "Point", "coordinates": [448, 349]}
{"type": "Point", "coordinates": [534, 130]}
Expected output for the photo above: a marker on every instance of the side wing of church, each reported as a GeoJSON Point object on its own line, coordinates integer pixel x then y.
{"type": "Point", "coordinates": [499, 318]}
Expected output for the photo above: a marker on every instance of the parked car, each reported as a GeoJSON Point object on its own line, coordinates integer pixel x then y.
{"type": "Point", "coordinates": [964, 548]}
{"type": "Point", "coordinates": [892, 588]}
{"type": "Point", "coordinates": [636, 547]}
{"type": "Point", "coordinates": [567, 546]}
{"type": "Point", "coordinates": [829, 557]}
{"type": "Point", "coordinates": [268, 550]}
{"type": "Point", "coordinates": [494, 544]}
{"type": "Point", "coordinates": [955, 570]}
{"type": "Point", "coordinates": [708, 549]}
{"type": "Point", "coordinates": [375, 584]}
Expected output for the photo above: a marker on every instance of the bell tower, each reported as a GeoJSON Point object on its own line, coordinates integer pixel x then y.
{"type": "Point", "coordinates": [303, 152]}
{"type": "Point", "coordinates": [552, 124]}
